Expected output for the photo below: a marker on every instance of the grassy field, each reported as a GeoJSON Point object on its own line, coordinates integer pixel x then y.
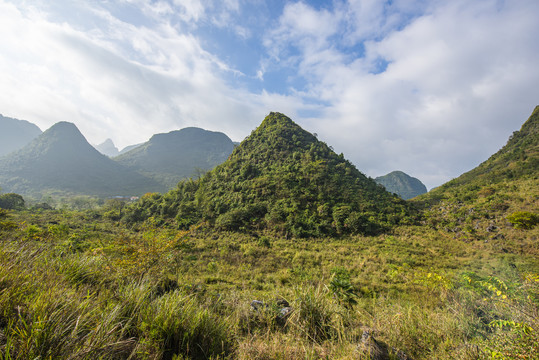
{"type": "Point", "coordinates": [76, 285]}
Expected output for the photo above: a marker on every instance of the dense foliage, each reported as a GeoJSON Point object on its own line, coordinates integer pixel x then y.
{"type": "Point", "coordinates": [11, 201]}
{"type": "Point", "coordinates": [280, 178]}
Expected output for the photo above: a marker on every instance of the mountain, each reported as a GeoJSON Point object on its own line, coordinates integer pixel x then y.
{"type": "Point", "coordinates": [400, 183]}
{"type": "Point", "coordinates": [171, 157]}
{"type": "Point", "coordinates": [14, 134]}
{"type": "Point", "coordinates": [61, 160]}
{"type": "Point", "coordinates": [107, 148]}
{"type": "Point", "coordinates": [282, 179]}
{"type": "Point", "coordinates": [129, 148]}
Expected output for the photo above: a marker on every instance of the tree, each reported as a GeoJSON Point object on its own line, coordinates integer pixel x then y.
{"type": "Point", "coordinates": [11, 201]}
{"type": "Point", "coordinates": [114, 209]}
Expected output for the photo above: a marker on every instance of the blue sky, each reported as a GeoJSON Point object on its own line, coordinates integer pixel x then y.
{"type": "Point", "coordinates": [431, 88]}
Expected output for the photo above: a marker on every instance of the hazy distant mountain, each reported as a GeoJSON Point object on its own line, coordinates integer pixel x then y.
{"type": "Point", "coordinates": [283, 179]}
{"type": "Point", "coordinates": [399, 183]}
{"type": "Point", "coordinates": [177, 155]}
{"type": "Point", "coordinates": [129, 148]}
{"type": "Point", "coordinates": [107, 148]}
{"type": "Point", "coordinates": [61, 160]}
{"type": "Point", "coordinates": [14, 134]}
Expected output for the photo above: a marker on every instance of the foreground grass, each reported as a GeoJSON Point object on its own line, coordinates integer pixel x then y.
{"type": "Point", "coordinates": [75, 286]}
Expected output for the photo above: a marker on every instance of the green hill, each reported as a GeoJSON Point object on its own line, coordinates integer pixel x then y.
{"type": "Point", "coordinates": [177, 155]}
{"type": "Point", "coordinates": [400, 183]}
{"type": "Point", "coordinates": [283, 179]}
{"type": "Point", "coordinates": [61, 161]}
{"type": "Point", "coordinates": [14, 134]}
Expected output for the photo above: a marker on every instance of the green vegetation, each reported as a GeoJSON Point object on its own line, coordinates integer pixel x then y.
{"type": "Point", "coordinates": [518, 159]}
{"type": "Point", "coordinates": [206, 272]}
{"type": "Point", "coordinates": [399, 183]}
{"type": "Point", "coordinates": [73, 284]}
{"type": "Point", "coordinates": [523, 219]}
{"type": "Point", "coordinates": [11, 201]}
{"type": "Point", "coordinates": [281, 178]}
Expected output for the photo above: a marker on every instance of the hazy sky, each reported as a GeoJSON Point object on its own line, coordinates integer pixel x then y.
{"type": "Point", "coordinates": [431, 88]}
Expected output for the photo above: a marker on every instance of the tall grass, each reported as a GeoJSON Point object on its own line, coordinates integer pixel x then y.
{"type": "Point", "coordinates": [113, 293]}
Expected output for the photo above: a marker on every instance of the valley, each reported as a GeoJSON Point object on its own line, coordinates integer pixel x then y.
{"type": "Point", "coordinates": [284, 250]}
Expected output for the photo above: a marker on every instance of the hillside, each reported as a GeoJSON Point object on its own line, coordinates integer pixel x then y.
{"type": "Point", "coordinates": [129, 148]}
{"type": "Point", "coordinates": [61, 161]}
{"type": "Point", "coordinates": [283, 179]}
{"type": "Point", "coordinates": [14, 134]}
{"type": "Point", "coordinates": [402, 184]}
{"type": "Point", "coordinates": [171, 157]}
{"type": "Point", "coordinates": [486, 200]}
{"type": "Point", "coordinates": [519, 158]}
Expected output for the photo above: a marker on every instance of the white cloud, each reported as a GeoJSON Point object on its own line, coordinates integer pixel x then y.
{"type": "Point", "coordinates": [460, 78]}
{"type": "Point", "coordinates": [428, 87]}
{"type": "Point", "coordinates": [191, 10]}
{"type": "Point", "coordinates": [121, 79]}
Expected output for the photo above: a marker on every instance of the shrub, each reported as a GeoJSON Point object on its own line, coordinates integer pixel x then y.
{"type": "Point", "coordinates": [523, 219]}
{"type": "Point", "coordinates": [11, 201]}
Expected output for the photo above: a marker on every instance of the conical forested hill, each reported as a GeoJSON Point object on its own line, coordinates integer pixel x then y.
{"type": "Point", "coordinates": [60, 160]}
{"type": "Point", "coordinates": [280, 178]}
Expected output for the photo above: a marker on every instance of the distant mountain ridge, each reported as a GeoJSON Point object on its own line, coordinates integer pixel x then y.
{"type": "Point", "coordinates": [108, 148]}
{"type": "Point", "coordinates": [180, 154]}
{"type": "Point", "coordinates": [129, 148]}
{"type": "Point", "coordinates": [14, 134]}
{"type": "Point", "coordinates": [61, 160]}
{"type": "Point", "coordinates": [402, 184]}
{"type": "Point", "coordinates": [283, 179]}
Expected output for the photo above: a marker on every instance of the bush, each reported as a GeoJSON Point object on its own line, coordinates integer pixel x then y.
{"type": "Point", "coordinates": [11, 201]}
{"type": "Point", "coordinates": [523, 219]}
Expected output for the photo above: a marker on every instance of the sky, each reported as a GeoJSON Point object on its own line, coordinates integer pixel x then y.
{"type": "Point", "coordinates": [428, 87]}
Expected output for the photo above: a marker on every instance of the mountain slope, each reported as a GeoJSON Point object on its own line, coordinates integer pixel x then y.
{"type": "Point", "coordinates": [14, 134]}
{"type": "Point", "coordinates": [280, 178]}
{"type": "Point", "coordinates": [519, 158]}
{"type": "Point", "coordinates": [61, 160]}
{"type": "Point", "coordinates": [481, 202]}
{"type": "Point", "coordinates": [129, 148]}
{"type": "Point", "coordinates": [402, 184]}
{"type": "Point", "coordinates": [171, 157]}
